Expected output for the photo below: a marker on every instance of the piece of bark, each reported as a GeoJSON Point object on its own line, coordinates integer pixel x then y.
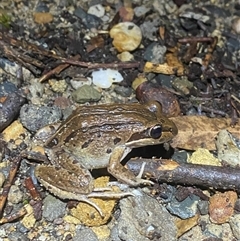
{"type": "Point", "coordinates": [169, 171]}
{"type": "Point", "coordinates": [201, 131]}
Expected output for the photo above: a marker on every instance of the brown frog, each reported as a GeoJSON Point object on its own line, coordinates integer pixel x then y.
{"type": "Point", "coordinates": [100, 136]}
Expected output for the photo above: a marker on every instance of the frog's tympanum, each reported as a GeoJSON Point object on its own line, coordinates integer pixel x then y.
{"type": "Point", "coordinates": [100, 136]}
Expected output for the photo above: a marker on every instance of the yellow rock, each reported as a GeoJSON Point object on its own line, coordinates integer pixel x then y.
{"type": "Point", "coordinates": [102, 232]}
{"type": "Point", "coordinates": [71, 219]}
{"type": "Point", "coordinates": [139, 80]}
{"type": "Point", "coordinates": [88, 215]}
{"type": "Point", "coordinates": [14, 132]}
{"type": "Point", "coordinates": [127, 36]}
{"type": "Point", "coordinates": [43, 17]}
{"type": "Point", "coordinates": [28, 220]}
{"type": "Point", "coordinates": [204, 157]}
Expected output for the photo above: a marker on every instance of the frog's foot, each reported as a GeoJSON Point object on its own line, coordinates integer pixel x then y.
{"type": "Point", "coordinates": [139, 176]}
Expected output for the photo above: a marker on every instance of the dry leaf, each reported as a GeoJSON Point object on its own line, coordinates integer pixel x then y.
{"type": "Point", "coordinates": [201, 131]}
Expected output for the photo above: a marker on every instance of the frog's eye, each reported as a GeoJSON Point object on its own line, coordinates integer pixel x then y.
{"type": "Point", "coordinates": [156, 131]}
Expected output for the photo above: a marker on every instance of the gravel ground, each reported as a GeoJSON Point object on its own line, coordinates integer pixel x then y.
{"type": "Point", "coordinates": [79, 30]}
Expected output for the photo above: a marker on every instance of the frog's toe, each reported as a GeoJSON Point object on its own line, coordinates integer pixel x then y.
{"type": "Point", "coordinates": [139, 177]}
{"type": "Point", "coordinates": [140, 181]}
{"type": "Point", "coordinates": [86, 200]}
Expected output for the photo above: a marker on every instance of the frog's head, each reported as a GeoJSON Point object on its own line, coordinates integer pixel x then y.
{"type": "Point", "coordinates": [157, 129]}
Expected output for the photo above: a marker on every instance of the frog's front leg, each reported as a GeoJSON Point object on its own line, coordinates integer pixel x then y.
{"type": "Point", "coordinates": [120, 172]}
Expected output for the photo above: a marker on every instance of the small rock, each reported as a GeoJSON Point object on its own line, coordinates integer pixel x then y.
{"type": "Point", "coordinates": [43, 18]}
{"type": "Point", "coordinates": [141, 10]}
{"type": "Point", "coordinates": [151, 91]}
{"type": "Point", "coordinates": [16, 236]}
{"type": "Point", "coordinates": [36, 89]}
{"type": "Point", "coordinates": [127, 36]}
{"type": "Point", "coordinates": [204, 157]}
{"type": "Point", "coordinates": [9, 109]}
{"type": "Point", "coordinates": [164, 7]}
{"type": "Point", "coordinates": [15, 69]}
{"type": "Point", "coordinates": [85, 232]}
{"type": "Point", "coordinates": [34, 117]}
{"type": "Point", "coordinates": [88, 215]}
{"type": "Point", "coordinates": [2, 179]}
{"type": "Point", "coordinates": [97, 10]}
{"type": "Point", "coordinates": [7, 88]}
{"type": "Point", "coordinates": [15, 194]}
{"type": "Point", "coordinates": [150, 27]}
{"type": "Point", "coordinates": [80, 81]}
{"type": "Point", "coordinates": [89, 20]}
{"type": "Point", "coordinates": [203, 207]}
{"type": "Point", "coordinates": [29, 220]}
{"type": "Point", "coordinates": [182, 85]}
{"type": "Point", "coordinates": [123, 91]}
{"type": "Point", "coordinates": [155, 53]}
{"type": "Point", "coordinates": [62, 102]}
{"type": "Point", "coordinates": [105, 78]}
{"type": "Point", "coordinates": [221, 206]}
{"type": "Point", "coordinates": [58, 85]}
{"type": "Point", "coordinates": [185, 209]}
{"type": "Point", "coordinates": [53, 208]}
{"type": "Point", "coordinates": [139, 220]}
{"type": "Point", "coordinates": [126, 14]}
{"type": "Point", "coordinates": [235, 225]}
{"type": "Point", "coordinates": [236, 25]}
{"type": "Point", "coordinates": [125, 56]}
{"type": "Point", "coordinates": [227, 148]}
{"type": "Point", "coordinates": [85, 94]}
{"type": "Point", "coordinates": [102, 232]}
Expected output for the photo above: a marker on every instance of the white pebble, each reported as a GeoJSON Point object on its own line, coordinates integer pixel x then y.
{"type": "Point", "coordinates": [104, 78]}
{"type": "Point", "coordinates": [97, 10]}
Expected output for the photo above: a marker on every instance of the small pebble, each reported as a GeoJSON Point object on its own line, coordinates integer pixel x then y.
{"type": "Point", "coordinates": [236, 25]}
{"type": "Point", "coordinates": [127, 36]}
{"type": "Point", "coordinates": [126, 14]}
{"type": "Point", "coordinates": [15, 195]}
{"type": "Point", "coordinates": [34, 117]}
{"type": "Point", "coordinates": [104, 78]}
{"type": "Point", "coordinates": [43, 18]}
{"type": "Point", "coordinates": [221, 206]}
{"type": "Point", "coordinates": [141, 10]}
{"type": "Point", "coordinates": [155, 53]}
{"type": "Point", "coordinates": [97, 10]}
{"type": "Point", "coordinates": [58, 85]}
{"type": "Point", "coordinates": [85, 94]}
{"type": "Point", "coordinates": [2, 179]}
{"type": "Point", "coordinates": [125, 56]}
{"type": "Point", "coordinates": [87, 233]}
{"type": "Point", "coordinates": [89, 20]}
{"type": "Point", "coordinates": [185, 209]}
{"type": "Point", "coordinates": [53, 208]}
{"type": "Point", "coordinates": [80, 81]}
{"type": "Point", "coordinates": [235, 225]}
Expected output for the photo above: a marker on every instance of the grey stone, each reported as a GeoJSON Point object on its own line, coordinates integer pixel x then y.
{"type": "Point", "coordinates": [185, 209]}
{"type": "Point", "coordinates": [235, 225]}
{"type": "Point", "coordinates": [86, 234]}
{"type": "Point", "coordinates": [143, 218]}
{"type": "Point", "coordinates": [34, 117]}
{"type": "Point", "coordinates": [53, 208]}
{"type": "Point", "coordinates": [86, 93]}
